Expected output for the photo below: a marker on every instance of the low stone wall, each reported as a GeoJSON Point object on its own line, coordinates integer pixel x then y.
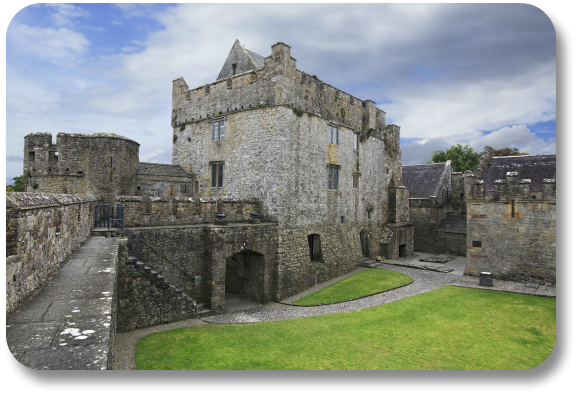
{"type": "Point", "coordinates": [145, 298]}
{"type": "Point", "coordinates": [160, 211]}
{"type": "Point", "coordinates": [42, 230]}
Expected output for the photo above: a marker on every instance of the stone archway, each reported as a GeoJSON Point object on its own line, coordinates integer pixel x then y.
{"type": "Point", "coordinates": [245, 275]}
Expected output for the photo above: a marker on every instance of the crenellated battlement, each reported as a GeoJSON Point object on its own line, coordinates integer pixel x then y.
{"type": "Point", "coordinates": [161, 211]}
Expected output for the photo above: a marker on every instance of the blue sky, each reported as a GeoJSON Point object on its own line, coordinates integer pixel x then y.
{"type": "Point", "coordinates": [478, 74]}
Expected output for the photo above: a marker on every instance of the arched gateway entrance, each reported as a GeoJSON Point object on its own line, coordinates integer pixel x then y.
{"type": "Point", "coordinates": [245, 276]}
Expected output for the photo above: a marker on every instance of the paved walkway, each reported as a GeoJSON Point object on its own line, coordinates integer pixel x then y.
{"type": "Point", "coordinates": [67, 325]}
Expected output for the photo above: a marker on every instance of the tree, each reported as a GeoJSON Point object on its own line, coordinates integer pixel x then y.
{"type": "Point", "coordinates": [509, 152]}
{"type": "Point", "coordinates": [18, 185]}
{"type": "Point", "coordinates": [463, 157]}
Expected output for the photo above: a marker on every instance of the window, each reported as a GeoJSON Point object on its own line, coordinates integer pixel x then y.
{"type": "Point", "coordinates": [234, 69]}
{"type": "Point", "coordinates": [332, 177]}
{"type": "Point", "coordinates": [196, 187]}
{"type": "Point", "coordinates": [476, 243]}
{"type": "Point", "coordinates": [53, 156]}
{"type": "Point", "coordinates": [342, 219]}
{"type": "Point", "coordinates": [447, 192]}
{"type": "Point", "coordinates": [171, 190]}
{"type": "Point", "coordinates": [513, 208]}
{"type": "Point", "coordinates": [216, 175]}
{"type": "Point", "coordinates": [333, 135]}
{"type": "Point", "coordinates": [31, 156]}
{"type": "Point", "coordinates": [368, 214]}
{"type": "Point", "coordinates": [218, 130]}
{"type": "Point", "coordinates": [356, 142]}
{"type": "Point", "coordinates": [356, 181]}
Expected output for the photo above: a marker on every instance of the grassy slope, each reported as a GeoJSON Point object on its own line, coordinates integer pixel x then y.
{"type": "Point", "coordinates": [449, 328]}
{"type": "Point", "coordinates": [365, 283]}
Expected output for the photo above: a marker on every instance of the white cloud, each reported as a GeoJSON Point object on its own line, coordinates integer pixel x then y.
{"type": "Point", "coordinates": [60, 46]}
{"type": "Point", "coordinates": [517, 136]}
{"type": "Point", "coordinates": [65, 12]}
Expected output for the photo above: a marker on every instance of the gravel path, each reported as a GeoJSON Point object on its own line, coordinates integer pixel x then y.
{"type": "Point", "coordinates": [424, 281]}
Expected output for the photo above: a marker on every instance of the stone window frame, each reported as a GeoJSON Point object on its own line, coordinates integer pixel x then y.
{"type": "Point", "coordinates": [234, 69]}
{"type": "Point", "coordinates": [356, 179]}
{"type": "Point", "coordinates": [31, 156]}
{"type": "Point", "coordinates": [196, 186]}
{"type": "Point", "coordinates": [220, 123]}
{"type": "Point", "coordinates": [217, 174]}
{"type": "Point", "coordinates": [333, 134]}
{"type": "Point", "coordinates": [333, 177]}
{"type": "Point", "coordinates": [53, 156]}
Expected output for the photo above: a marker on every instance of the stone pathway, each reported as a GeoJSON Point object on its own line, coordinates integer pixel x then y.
{"type": "Point", "coordinates": [67, 325]}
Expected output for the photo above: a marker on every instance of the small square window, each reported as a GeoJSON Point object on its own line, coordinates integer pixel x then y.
{"type": "Point", "coordinates": [31, 156]}
{"type": "Point", "coordinates": [53, 156]}
{"type": "Point", "coordinates": [342, 219]}
{"type": "Point", "coordinates": [476, 243]}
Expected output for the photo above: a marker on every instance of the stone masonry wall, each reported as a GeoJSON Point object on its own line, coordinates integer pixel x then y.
{"type": "Point", "coordinates": [103, 165]}
{"type": "Point", "coordinates": [42, 230]}
{"type": "Point", "coordinates": [521, 247]}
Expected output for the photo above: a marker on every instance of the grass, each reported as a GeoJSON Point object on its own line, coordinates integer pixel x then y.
{"type": "Point", "coordinates": [365, 283]}
{"type": "Point", "coordinates": [449, 328]}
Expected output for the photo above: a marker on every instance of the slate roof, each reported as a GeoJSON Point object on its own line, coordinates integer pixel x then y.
{"type": "Point", "coordinates": [453, 223]}
{"type": "Point", "coordinates": [422, 180]}
{"type": "Point", "coordinates": [534, 167]}
{"type": "Point", "coordinates": [258, 59]}
{"type": "Point", "coordinates": [159, 169]}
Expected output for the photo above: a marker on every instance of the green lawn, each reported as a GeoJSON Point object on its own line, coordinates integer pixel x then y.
{"type": "Point", "coordinates": [365, 283]}
{"type": "Point", "coordinates": [449, 328]}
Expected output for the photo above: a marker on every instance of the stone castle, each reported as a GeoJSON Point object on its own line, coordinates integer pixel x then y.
{"type": "Point", "coordinates": [279, 181]}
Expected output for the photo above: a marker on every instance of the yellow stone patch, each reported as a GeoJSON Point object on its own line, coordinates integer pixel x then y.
{"type": "Point", "coordinates": [333, 155]}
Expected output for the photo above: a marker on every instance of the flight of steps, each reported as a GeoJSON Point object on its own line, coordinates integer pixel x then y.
{"type": "Point", "coordinates": [157, 280]}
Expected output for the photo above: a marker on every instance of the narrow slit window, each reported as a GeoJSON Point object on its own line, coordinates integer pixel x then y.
{"type": "Point", "coordinates": [332, 177]}
{"type": "Point", "coordinates": [216, 175]}
{"type": "Point", "coordinates": [196, 187]}
{"type": "Point", "coordinates": [513, 202]}
{"type": "Point", "coordinates": [333, 135]}
{"type": "Point", "coordinates": [234, 69]}
{"type": "Point", "coordinates": [356, 141]}
{"type": "Point", "coordinates": [356, 181]}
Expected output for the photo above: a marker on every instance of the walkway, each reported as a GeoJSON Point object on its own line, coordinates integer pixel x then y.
{"type": "Point", "coordinates": [67, 325]}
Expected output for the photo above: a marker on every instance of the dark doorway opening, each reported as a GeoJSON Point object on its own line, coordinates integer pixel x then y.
{"type": "Point", "coordinates": [315, 247]}
{"type": "Point", "coordinates": [364, 240]}
{"type": "Point", "coordinates": [402, 251]}
{"type": "Point", "coordinates": [245, 276]}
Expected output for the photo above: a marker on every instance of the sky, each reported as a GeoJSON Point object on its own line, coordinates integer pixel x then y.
{"type": "Point", "coordinates": [476, 74]}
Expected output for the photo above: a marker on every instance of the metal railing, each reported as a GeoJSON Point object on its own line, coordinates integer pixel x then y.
{"type": "Point", "coordinates": [105, 212]}
{"type": "Point", "coordinates": [115, 221]}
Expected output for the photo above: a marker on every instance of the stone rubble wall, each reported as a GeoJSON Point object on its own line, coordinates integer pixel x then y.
{"type": "Point", "coordinates": [159, 211]}
{"type": "Point", "coordinates": [517, 248]}
{"type": "Point", "coordinates": [42, 230]}
{"type": "Point", "coordinates": [83, 164]}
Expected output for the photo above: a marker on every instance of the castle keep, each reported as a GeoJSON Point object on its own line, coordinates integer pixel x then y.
{"type": "Point", "coordinates": [279, 181]}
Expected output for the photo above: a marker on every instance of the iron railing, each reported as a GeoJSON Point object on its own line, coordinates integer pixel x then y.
{"type": "Point", "coordinates": [105, 212]}
{"type": "Point", "coordinates": [115, 221]}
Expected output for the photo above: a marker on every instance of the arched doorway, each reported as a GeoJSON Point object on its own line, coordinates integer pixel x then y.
{"type": "Point", "coordinates": [364, 240]}
{"type": "Point", "coordinates": [245, 276]}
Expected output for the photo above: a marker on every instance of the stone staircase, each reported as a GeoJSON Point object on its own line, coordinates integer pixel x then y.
{"type": "Point", "coordinates": [370, 263]}
{"type": "Point", "coordinates": [157, 280]}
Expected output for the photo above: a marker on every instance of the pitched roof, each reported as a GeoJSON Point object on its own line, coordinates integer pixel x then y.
{"type": "Point", "coordinates": [258, 59]}
{"type": "Point", "coordinates": [422, 180]}
{"type": "Point", "coordinates": [534, 167]}
{"type": "Point", "coordinates": [160, 169]}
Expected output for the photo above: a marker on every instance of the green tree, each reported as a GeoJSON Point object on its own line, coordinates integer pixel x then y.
{"type": "Point", "coordinates": [463, 157]}
{"type": "Point", "coordinates": [18, 185]}
{"type": "Point", "coordinates": [509, 152]}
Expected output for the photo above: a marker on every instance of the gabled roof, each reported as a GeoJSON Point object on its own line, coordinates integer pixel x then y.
{"type": "Point", "coordinates": [422, 180]}
{"type": "Point", "coordinates": [244, 59]}
{"type": "Point", "coordinates": [258, 59]}
{"type": "Point", "coordinates": [160, 169]}
{"type": "Point", "coordinates": [534, 167]}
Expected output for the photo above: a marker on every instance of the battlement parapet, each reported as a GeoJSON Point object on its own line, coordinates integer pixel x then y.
{"type": "Point", "coordinates": [505, 189]}
{"type": "Point", "coordinates": [31, 200]}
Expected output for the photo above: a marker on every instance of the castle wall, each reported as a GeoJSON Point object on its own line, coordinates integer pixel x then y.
{"type": "Point", "coordinates": [42, 230]}
{"type": "Point", "coordinates": [100, 164]}
{"type": "Point", "coordinates": [521, 247]}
